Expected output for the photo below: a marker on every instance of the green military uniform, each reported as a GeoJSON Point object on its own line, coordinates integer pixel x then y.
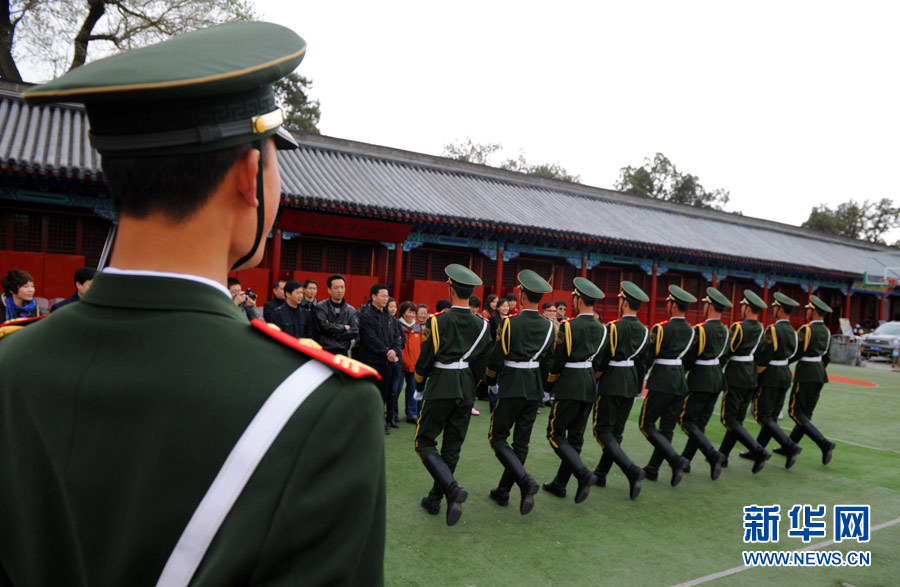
{"type": "Point", "coordinates": [810, 376]}
{"type": "Point", "coordinates": [666, 386]}
{"type": "Point", "coordinates": [152, 414]}
{"type": "Point", "coordinates": [620, 381]}
{"type": "Point", "coordinates": [454, 348]}
{"type": "Point", "coordinates": [740, 380]}
{"type": "Point", "coordinates": [571, 380]}
{"type": "Point", "coordinates": [705, 381]}
{"type": "Point", "coordinates": [774, 379]}
{"type": "Point", "coordinates": [518, 364]}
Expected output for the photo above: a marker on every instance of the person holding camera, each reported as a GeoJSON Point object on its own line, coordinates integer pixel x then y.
{"type": "Point", "coordinates": [244, 300]}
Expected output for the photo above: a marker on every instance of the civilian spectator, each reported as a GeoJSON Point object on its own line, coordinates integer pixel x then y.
{"type": "Point", "coordinates": [290, 317]}
{"type": "Point", "coordinates": [561, 311]}
{"type": "Point", "coordinates": [498, 316]}
{"type": "Point", "coordinates": [513, 304]}
{"type": "Point", "coordinates": [336, 321]}
{"type": "Point", "coordinates": [276, 301]}
{"type": "Point", "coordinates": [83, 279]}
{"type": "Point", "coordinates": [380, 343]}
{"type": "Point", "coordinates": [549, 312]}
{"type": "Point", "coordinates": [244, 300]}
{"type": "Point", "coordinates": [441, 305]}
{"type": "Point", "coordinates": [392, 307]}
{"type": "Point", "coordinates": [421, 314]}
{"type": "Point", "coordinates": [395, 367]}
{"type": "Point", "coordinates": [475, 305]}
{"type": "Point", "coordinates": [490, 306]}
{"type": "Point", "coordinates": [18, 295]}
{"type": "Point", "coordinates": [310, 289]}
{"type": "Point", "coordinates": [412, 347]}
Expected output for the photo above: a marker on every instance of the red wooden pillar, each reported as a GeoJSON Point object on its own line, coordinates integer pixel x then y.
{"type": "Point", "coordinates": [275, 264]}
{"type": "Point", "coordinates": [398, 269]}
{"type": "Point", "coordinates": [498, 271]}
{"type": "Point", "coordinates": [583, 271]}
{"type": "Point", "coordinates": [715, 280]}
{"type": "Point", "coordinates": [734, 302]}
{"type": "Point", "coordinates": [847, 305]}
{"type": "Point", "coordinates": [880, 315]}
{"type": "Point", "coordinates": [764, 316]}
{"type": "Point", "coordinates": [652, 296]}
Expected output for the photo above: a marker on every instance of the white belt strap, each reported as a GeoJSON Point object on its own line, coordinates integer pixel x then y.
{"type": "Point", "coordinates": [251, 447]}
{"type": "Point", "coordinates": [462, 363]}
{"type": "Point", "coordinates": [778, 363]}
{"type": "Point", "coordinates": [628, 363]}
{"type": "Point", "coordinates": [672, 362]}
{"type": "Point", "coordinates": [579, 365]}
{"type": "Point", "coordinates": [742, 358]}
{"type": "Point", "coordinates": [817, 359]}
{"type": "Point", "coordinates": [708, 362]}
{"type": "Point", "coordinates": [590, 361]}
{"type": "Point", "coordinates": [521, 364]}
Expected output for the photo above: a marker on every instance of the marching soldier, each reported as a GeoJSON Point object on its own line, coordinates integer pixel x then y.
{"type": "Point", "coordinates": [705, 380]}
{"type": "Point", "coordinates": [520, 356]}
{"type": "Point", "coordinates": [809, 377]}
{"type": "Point", "coordinates": [774, 378]}
{"type": "Point", "coordinates": [740, 380]}
{"type": "Point", "coordinates": [620, 381]}
{"type": "Point", "coordinates": [572, 380]}
{"type": "Point", "coordinates": [666, 386]}
{"type": "Point", "coordinates": [454, 346]}
{"type": "Point", "coordinates": [150, 453]}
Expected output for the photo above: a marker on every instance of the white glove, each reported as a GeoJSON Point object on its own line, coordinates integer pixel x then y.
{"type": "Point", "coordinates": [546, 397]}
{"type": "Point", "coordinates": [494, 390]}
{"type": "Point", "coordinates": [418, 395]}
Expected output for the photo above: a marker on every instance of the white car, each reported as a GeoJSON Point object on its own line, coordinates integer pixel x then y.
{"type": "Point", "coordinates": [881, 342]}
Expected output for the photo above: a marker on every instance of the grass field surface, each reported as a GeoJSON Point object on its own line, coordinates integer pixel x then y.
{"type": "Point", "coordinates": [668, 536]}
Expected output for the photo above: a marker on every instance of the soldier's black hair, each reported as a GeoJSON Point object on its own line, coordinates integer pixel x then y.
{"type": "Point", "coordinates": [587, 301]}
{"type": "Point", "coordinates": [717, 306]}
{"type": "Point", "coordinates": [682, 306]}
{"type": "Point", "coordinates": [532, 296]}
{"type": "Point", "coordinates": [463, 291]}
{"type": "Point", "coordinates": [633, 304]}
{"type": "Point", "coordinates": [787, 309]}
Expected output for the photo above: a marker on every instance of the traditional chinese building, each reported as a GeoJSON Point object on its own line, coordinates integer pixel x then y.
{"type": "Point", "coordinates": [377, 214]}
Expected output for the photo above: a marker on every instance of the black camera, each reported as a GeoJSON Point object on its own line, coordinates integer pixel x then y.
{"type": "Point", "coordinates": [250, 294]}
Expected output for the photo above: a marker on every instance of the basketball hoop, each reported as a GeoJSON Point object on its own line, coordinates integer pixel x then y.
{"type": "Point", "coordinates": [891, 284]}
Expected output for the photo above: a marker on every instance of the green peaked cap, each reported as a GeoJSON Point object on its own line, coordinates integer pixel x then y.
{"type": "Point", "coordinates": [206, 90]}
{"type": "Point", "coordinates": [585, 288]}
{"type": "Point", "coordinates": [783, 300]}
{"type": "Point", "coordinates": [715, 296]}
{"type": "Point", "coordinates": [531, 281]}
{"type": "Point", "coordinates": [459, 275]}
{"type": "Point", "coordinates": [753, 300]}
{"type": "Point", "coordinates": [679, 294]}
{"type": "Point", "coordinates": [816, 303]}
{"type": "Point", "coordinates": [632, 292]}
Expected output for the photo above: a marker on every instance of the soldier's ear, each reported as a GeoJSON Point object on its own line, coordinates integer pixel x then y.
{"type": "Point", "coordinates": [244, 172]}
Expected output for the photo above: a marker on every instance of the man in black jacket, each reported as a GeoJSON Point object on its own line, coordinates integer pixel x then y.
{"type": "Point", "coordinates": [276, 302]}
{"type": "Point", "coordinates": [336, 321]}
{"type": "Point", "coordinates": [380, 342]}
{"type": "Point", "coordinates": [83, 279]}
{"type": "Point", "coordinates": [290, 317]}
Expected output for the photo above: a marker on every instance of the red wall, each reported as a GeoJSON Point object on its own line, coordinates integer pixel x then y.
{"type": "Point", "coordinates": [427, 292]}
{"type": "Point", "coordinates": [53, 274]}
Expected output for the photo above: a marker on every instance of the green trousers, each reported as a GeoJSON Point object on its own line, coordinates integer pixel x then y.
{"type": "Point", "coordinates": [447, 416]}
{"type": "Point", "coordinates": [509, 413]}
{"type": "Point", "coordinates": [767, 402]}
{"type": "Point", "coordinates": [568, 419]}
{"type": "Point", "coordinates": [804, 397]}
{"type": "Point", "coordinates": [610, 416]}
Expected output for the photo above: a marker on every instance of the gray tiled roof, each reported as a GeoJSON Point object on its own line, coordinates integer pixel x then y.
{"type": "Point", "coordinates": [369, 179]}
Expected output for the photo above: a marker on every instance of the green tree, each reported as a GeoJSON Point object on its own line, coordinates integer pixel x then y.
{"type": "Point", "coordinates": [863, 220]}
{"type": "Point", "coordinates": [658, 178]}
{"type": "Point", "coordinates": [482, 153]}
{"type": "Point", "coordinates": [300, 112]}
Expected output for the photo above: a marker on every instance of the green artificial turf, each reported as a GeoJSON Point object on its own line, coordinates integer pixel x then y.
{"type": "Point", "coordinates": [668, 535]}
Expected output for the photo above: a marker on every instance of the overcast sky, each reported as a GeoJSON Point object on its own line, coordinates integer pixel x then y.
{"type": "Point", "coordinates": [787, 105]}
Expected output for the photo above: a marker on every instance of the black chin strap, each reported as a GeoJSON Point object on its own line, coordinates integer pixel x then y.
{"type": "Point", "coordinates": [260, 209]}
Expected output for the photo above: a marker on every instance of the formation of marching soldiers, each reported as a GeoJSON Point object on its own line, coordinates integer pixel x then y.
{"type": "Point", "coordinates": [598, 369]}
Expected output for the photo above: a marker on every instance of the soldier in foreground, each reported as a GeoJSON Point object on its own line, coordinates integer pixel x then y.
{"type": "Point", "coordinates": [454, 349]}
{"type": "Point", "coordinates": [812, 359]}
{"type": "Point", "coordinates": [740, 380]}
{"type": "Point", "coordinates": [621, 380]}
{"type": "Point", "coordinates": [148, 452]}
{"type": "Point", "coordinates": [571, 379]}
{"type": "Point", "coordinates": [705, 381]}
{"type": "Point", "coordinates": [666, 386]}
{"type": "Point", "coordinates": [518, 364]}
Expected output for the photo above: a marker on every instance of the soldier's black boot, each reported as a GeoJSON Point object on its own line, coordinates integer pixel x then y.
{"type": "Point", "coordinates": [557, 487]}
{"type": "Point", "coordinates": [651, 469]}
{"type": "Point", "coordinates": [725, 448]}
{"type": "Point", "coordinates": [456, 495]}
{"type": "Point", "coordinates": [795, 436]}
{"type": "Point", "coordinates": [825, 445]}
{"type": "Point", "coordinates": [432, 502]}
{"type": "Point", "coordinates": [516, 470]}
{"type": "Point", "coordinates": [501, 493]}
{"type": "Point", "coordinates": [760, 455]}
{"type": "Point", "coordinates": [603, 467]}
{"type": "Point", "coordinates": [698, 440]}
{"type": "Point", "coordinates": [585, 477]}
{"type": "Point", "coordinates": [765, 434]}
{"type": "Point", "coordinates": [634, 473]}
{"type": "Point", "coordinates": [661, 445]}
{"type": "Point", "coordinates": [788, 447]}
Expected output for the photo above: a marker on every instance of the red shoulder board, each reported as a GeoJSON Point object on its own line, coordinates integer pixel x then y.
{"type": "Point", "coordinates": [311, 349]}
{"type": "Point", "coordinates": [663, 323]}
{"type": "Point", "coordinates": [16, 324]}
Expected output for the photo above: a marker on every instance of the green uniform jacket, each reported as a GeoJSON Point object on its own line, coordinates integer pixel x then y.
{"type": "Point", "coordinates": [116, 414]}
{"type": "Point", "coordinates": [669, 341]}
{"type": "Point", "coordinates": [446, 338]}
{"type": "Point", "coordinates": [744, 338]}
{"type": "Point", "coordinates": [710, 342]}
{"type": "Point", "coordinates": [578, 341]}
{"type": "Point", "coordinates": [627, 337]}
{"type": "Point", "coordinates": [779, 344]}
{"type": "Point", "coordinates": [526, 337]}
{"type": "Point", "coordinates": [814, 341]}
